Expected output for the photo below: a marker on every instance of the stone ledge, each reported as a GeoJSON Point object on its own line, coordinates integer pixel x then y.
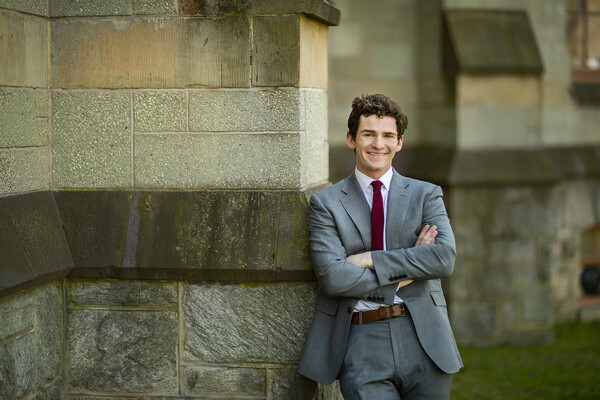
{"type": "Point", "coordinates": [321, 10]}
{"type": "Point", "coordinates": [229, 236]}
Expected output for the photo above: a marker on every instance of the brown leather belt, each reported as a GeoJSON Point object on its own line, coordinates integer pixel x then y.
{"type": "Point", "coordinates": [397, 310]}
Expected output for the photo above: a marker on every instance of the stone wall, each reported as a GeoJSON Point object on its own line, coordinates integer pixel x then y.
{"type": "Point", "coordinates": [156, 161]}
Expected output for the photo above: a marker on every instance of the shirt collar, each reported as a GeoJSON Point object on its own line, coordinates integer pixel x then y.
{"type": "Point", "coordinates": [365, 182]}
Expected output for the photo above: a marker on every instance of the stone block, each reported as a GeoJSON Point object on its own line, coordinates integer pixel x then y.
{"type": "Point", "coordinates": [48, 332]}
{"type": "Point", "coordinates": [25, 365]}
{"type": "Point", "coordinates": [96, 234]}
{"type": "Point", "coordinates": [19, 126]}
{"type": "Point", "coordinates": [474, 321]}
{"type": "Point", "coordinates": [392, 61]}
{"type": "Point", "coordinates": [276, 51]}
{"type": "Point", "coordinates": [16, 314]}
{"type": "Point", "coordinates": [35, 221]}
{"type": "Point", "coordinates": [189, 161]}
{"type": "Point", "coordinates": [122, 351]}
{"type": "Point", "coordinates": [91, 139]}
{"type": "Point", "coordinates": [16, 268]}
{"type": "Point", "coordinates": [288, 384]}
{"type": "Point", "coordinates": [496, 281]}
{"type": "Point", "coordinates": [23, 50]}
{"type": "Point", "coordinates": [537, 304]}
{"type": "Point", "coordinates": [7, 372]}
{"type": "Point", "coordinates": [24, 170]}
{"type": "Point", "coordinates": [292, 252]}
{"type": "Point", "coordinates": [270, 324]}
{"type": "Point", "coordinates": [89, 8]}
{"type": "Point", "coordinates": [480, 125]}
{"type": "Point", "coordinates": [245, 110]}
{"type": "Point", "coordinates": [37, 7]}
{"type": "Point", "coordinates": [314, 149]}
{"type": "Point", "coordinates": [151, 53]}
{"type": "Point", "coordinates": [313, 54]}
{"type": "Point", "coordinates": [122, 293]}
{"type": "Point", "coordinates": [209, 230]}
{"type": "Point", "coordinates": [160, 111]}
{"type": "Point", "coordinates": [224, 381]}
{"type": "Point", "coordinates": [142, 7]}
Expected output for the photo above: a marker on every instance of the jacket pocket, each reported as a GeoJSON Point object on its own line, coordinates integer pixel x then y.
{"type": "Point", "coordinates": [438, 298]}
{"type": "Point", "coordinates": [327, 305]}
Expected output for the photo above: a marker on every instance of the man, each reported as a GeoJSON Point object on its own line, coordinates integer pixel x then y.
{"type": "Point", "coordinates": [380, 324]}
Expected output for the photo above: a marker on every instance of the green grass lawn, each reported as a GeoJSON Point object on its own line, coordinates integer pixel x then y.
{"type": "Point", "coordinates": [569, 369]}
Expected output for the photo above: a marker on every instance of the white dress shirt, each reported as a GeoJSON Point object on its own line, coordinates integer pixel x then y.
{"type": "Point", "coordinates": [365, 184]}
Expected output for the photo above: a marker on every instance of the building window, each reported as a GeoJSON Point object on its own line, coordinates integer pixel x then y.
{"type": "Point", "coordinates": [583, 36]}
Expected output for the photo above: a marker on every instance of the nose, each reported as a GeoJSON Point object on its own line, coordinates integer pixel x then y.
{"type": "Point", "coordinates": [377, 142]}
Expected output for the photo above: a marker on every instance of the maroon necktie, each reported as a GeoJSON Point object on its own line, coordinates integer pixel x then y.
{"type": "Point", "coordinates": [377, 217]}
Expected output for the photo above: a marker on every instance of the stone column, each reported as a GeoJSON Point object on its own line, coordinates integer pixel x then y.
{"type": "Point", "coordinates": [184, 142]}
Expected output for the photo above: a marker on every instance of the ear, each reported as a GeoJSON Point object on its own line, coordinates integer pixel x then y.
{"type": "Point", "coordinates": [350, 141]}
{"type": "Point", "coordinates": [399, 145]}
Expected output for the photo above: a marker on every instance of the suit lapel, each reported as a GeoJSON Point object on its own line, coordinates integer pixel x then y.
{"type": "Point", "coordinates": [397, 207]}
{"type": "Point", "coordinates": [357, 208]}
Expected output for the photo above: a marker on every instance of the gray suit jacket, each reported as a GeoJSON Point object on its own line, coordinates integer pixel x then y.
{"type": "Point", "coordinates": [340, 225]}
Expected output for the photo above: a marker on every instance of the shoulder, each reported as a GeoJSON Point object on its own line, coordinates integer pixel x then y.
{"type": "Point", "coordinates": [335, 191]}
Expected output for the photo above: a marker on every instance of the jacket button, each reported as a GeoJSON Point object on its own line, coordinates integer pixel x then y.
{"type": "Point", "coordinates": [350, 310]}
{"type": "Point", "coordinates": [392, 278]}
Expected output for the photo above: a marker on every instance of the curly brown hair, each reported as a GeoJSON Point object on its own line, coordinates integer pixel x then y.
{"type": "Point", "coordinates": [379, 105]}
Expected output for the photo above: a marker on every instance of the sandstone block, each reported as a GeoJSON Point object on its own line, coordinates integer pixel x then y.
{"type": "Point", "coordinates": [141, 7]}
{"type": "Point", "coordinates": [19, 126]}
{"type": "Point", "coordinates": [24, 169]}
{"type": "Point", "coordinates": [23, 50]}
{"type": "Point", "coordinates": [473, 321]}
{"type": "Point", "coordinates": [241, 161]}
{"type": "Point", "coordinates": [91, 139]}
{"type": "Point", "coordinates": [37, 7]}
{"type": "Point", "coordinates": [289, 385]}
{"type": "Point", "coordinates": [7, 372]}
{"type": "Point", "coordinates": [25, 365]}
{"type": "Point", "coordinates": [515, 90]}
{"type": "Point", "coordinates": [122, 351]}
{"type": "Point", "coordinates": [151, 53]}
{"type": "Point", "coordinates": [160, 111]}
{"type": "Point", "coordinates": [88, 8]}
{"type": "Point", "coordinates": [268, 323]}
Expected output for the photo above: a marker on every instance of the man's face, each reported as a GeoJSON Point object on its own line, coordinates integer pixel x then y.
{"type": "Point", "coordinates": [376, 144]}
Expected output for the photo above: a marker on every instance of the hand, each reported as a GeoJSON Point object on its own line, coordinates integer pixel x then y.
{"type": "Point", "coordinates": [427, 235]}
{"type": "Point", "coordinates": [362, 260]}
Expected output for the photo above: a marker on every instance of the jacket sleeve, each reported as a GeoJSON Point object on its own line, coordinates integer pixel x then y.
{"type": "Point", "coordinates": [429, 261]}
{"type": "Point", "coordinates": [337, 276]}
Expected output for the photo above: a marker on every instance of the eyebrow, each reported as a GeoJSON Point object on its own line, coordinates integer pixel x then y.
{"type": "Point", "coordinates": [385, 133]}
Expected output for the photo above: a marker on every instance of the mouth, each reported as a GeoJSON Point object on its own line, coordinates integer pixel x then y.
{"type": "Point", "coordinates": [377, 155]}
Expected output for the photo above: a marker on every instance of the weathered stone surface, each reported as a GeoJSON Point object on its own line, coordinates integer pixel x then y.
{"type": "Point", "coordinates": [292, 244]}
{"type": "Point", "coordinates": [537, 302]}
{"type": "Point", "coordinates": [16, 269]}
{"type": "Point", "coordinates": [24, 170]}
{"type": "Point", "coordinates": [160, 111]}
{"type": "Point", "coordinates": [474, 321]}
{"type": "Point", "coordinates": [23, 49]}
{"type": "Point", "coordinates": [209, 230]}
{"type": "Point", "coordinates": [71, 8]}
{"type": "Point", "coordinates": [25, 365]}
{"type": "Point", "coordinates": [114, 54]}
{"type": "Point", "coordinates": [7, 372]}
{"type": "Point", "coordinates": [38, 7]}
{"type": "Point", "coordinates": [188, 161]}
{"type": "Point", "coordinates": [48, 315]}
{"type": "Point", "coordinates": [270, 324]}
{"type": "Point", "coordinates": [225, 381]}
{"type": "Point", "coordinates": [276, 51]}
{"type": "Point", "coordinates": [154, 7]}
{"type": "Point", "coordinates": [245, 110]}
{"type": "Point", "coordinates": [314, 150]}
{"type": "Point", "coordinates": [514, 90]}
{"type": "Point", "coordinates": [34, 219]}
{"type": "Point", "coordinates": [313, 54]}
{"type": "Point", "coordinates": [16, 314]}
{"type": "Point", "coordinates": [122, 293]}
{"type": "Point", "coordinates": [96, 234]}
{"type": "Point", "coordinates": [19, 126]}
{"type": "Point", "coordinates": [122, 351]}
{"type": "Point", "coordinates": [91, 139]}
{"type": "Point", "coordinates": [289, 385]}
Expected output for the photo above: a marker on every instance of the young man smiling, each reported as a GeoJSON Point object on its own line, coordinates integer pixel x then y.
{"type": "Point", "coordinates": [380, 243]}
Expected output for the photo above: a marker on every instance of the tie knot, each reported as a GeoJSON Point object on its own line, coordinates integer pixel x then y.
{"type": "Point", "coordinates": [377, 185]}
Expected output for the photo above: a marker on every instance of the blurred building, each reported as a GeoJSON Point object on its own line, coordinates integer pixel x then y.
{"type": "Point", "coordinates": [503, 99]}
